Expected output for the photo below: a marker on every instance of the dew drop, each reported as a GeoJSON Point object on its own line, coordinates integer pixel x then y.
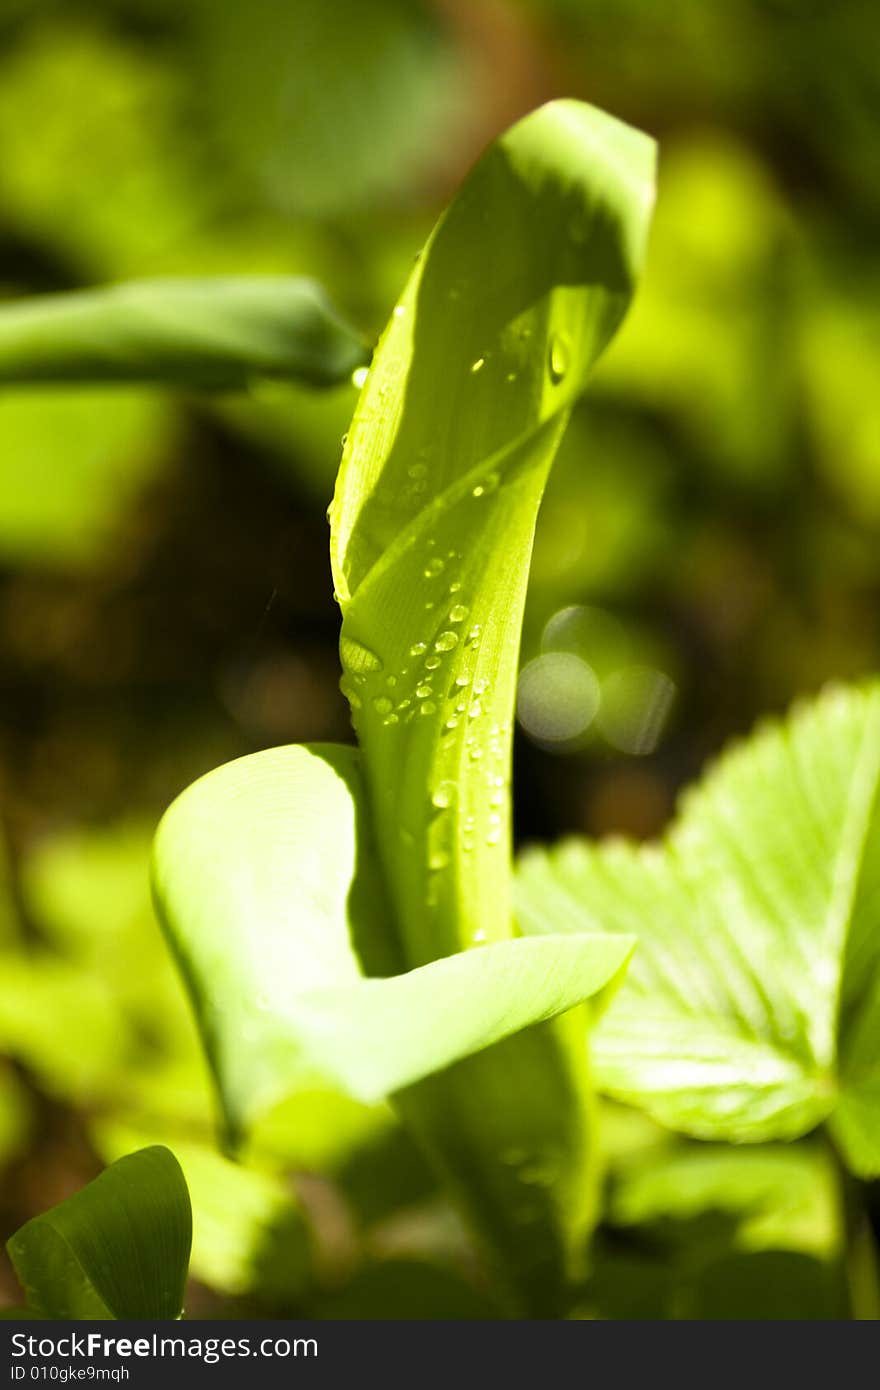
{"type": "Point", "coordinates": [399, 311]}
{"type": "Point", "coordinates": [432, 663]}
{"type": "Point", "coordinates": [423, 691]}
{"type": "Point", "coordinates": [417, 470]}
{"type": "Point", "coordinates": [478, 365]}
{"type": "Point", "coordinates": [418, 649]}
{"type": "Point", "coordinates": [462, 679]}
{"type": "Point", "coordinates": [455, 586]}
{"type": "Point", "coordinates": [458, 613]}
{"type": "Point", "coordinates": [560, 357]}
{"type": "Point", "coordinates": [382, 704]}
{"type": "Point", "coordinates": [392, 719]}
{"type": "Point", "coordinates": [438, 859]}
{"type": "Point", "coordinates": [359, 377]}
{"type": "Point", "coordinates": [428, 708]}
{"type": "Point", "coordinates": [434, 567]}
{"type": "Point", "coordinates": [358, 658]}
{"type": "Point", "coordinates": [488, 484]}
{"type": "Point", "coordinates": [446, 641]}
{"type": "Point", "coordinates": [444, 795]}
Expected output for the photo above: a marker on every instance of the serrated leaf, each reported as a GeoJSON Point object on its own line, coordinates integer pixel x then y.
{"type": "Point", "coordinates": [750, 1011]}
{"type": "Point", "coordinates": [119, 1248]}
{"type": "Point", "coordinates": [214, 333]}
{"type": "Point", "coordinates": [265, 884]}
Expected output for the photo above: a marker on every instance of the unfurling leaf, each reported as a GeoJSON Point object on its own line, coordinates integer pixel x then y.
{"type": "Point", "coordinates": [521, 285]}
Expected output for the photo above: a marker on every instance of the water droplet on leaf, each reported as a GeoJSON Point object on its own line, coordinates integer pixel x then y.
{"type": "Point", "coordinates": [444, 795]}
{"type": "Point", "coordinates": [358, 658]}
{"type": "Point", "coordinates": [560, 357]}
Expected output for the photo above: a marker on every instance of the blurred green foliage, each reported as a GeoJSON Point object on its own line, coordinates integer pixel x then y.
{"type": "Point", "coordinates": [713, 519]}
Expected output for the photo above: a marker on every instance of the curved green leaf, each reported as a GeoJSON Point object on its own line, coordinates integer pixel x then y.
{"type": "Point", "coordinates": [215, 333]}
{"type": "Point", "coordinates": [117, 1249]}
{"type": "Point", "coordinates": [751, 1008]}
{"type": "Point", "coordinates": [520, 286]}
{"type": "Point", "coordinates": [268, 892]}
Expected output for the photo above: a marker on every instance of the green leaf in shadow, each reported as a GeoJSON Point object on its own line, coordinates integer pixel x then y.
{"type": "Point", "coordinates": [215, 333]}
{"type": "Point", "coordinates": [117, 1249]}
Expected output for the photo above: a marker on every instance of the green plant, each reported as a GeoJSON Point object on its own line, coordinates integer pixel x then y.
{"type": "Point", "coordinates": [119, 1248]}
{"type": "Point", "coordinates": [344, 916]}
{"type": "Point", "coordinates": [349, 920]}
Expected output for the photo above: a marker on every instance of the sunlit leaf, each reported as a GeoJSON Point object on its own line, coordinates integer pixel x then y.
{"type": "Point", "coordinates": [750, 1010]}
{"type": "Point", "coordinates": [264, 881]}
{"type": "Point", "coordinates": [218, 332]}
{"type": "Point", "coordinates": [519, 288]}
{"type": "Point", "coordinates": [119, 1248]}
